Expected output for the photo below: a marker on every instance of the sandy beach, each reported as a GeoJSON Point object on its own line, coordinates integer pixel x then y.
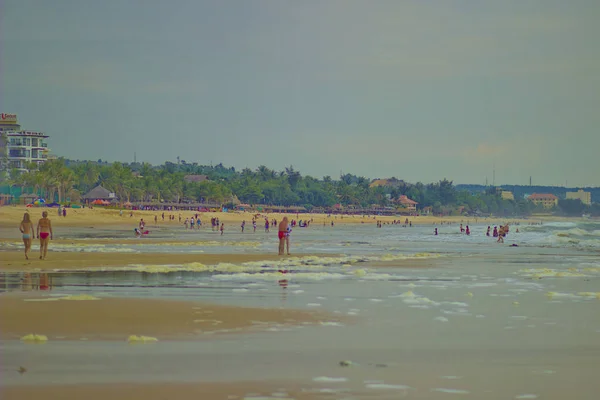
{"type": "Point", "coordinates": [10, 216]}
{"type": "Point", "coordinates": [416, 315]}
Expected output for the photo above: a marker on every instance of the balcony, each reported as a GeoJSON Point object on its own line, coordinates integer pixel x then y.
{"type": "Point", "coordinates": [18, 154]}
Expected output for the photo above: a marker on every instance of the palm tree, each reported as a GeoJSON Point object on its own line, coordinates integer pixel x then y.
{"type": "Point", "coordinates": [119, 179]}
{"type": "Point", "coordinates": [67, 179]}
{"type": "Point", "coordinates": [265, 174]}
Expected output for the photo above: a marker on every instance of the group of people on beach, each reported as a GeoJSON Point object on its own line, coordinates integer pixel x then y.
{"type": "Point", "coordinates": [395, 222]}
{"type": "Point", "coordinates": [43, 231]}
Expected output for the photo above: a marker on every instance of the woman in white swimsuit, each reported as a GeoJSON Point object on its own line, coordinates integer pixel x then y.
{"type": "Point", "coordinates": [26, 229]}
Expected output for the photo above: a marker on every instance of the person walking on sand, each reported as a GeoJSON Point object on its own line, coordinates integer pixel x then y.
{"type": "Point", "coordinates": [26, 229]}
{"type": "Point", "coordinates": [282, 231]}
{"type": "Point", "coordinates": [44, 233]}
{"type": "Point", "coordinates": [222, 228]}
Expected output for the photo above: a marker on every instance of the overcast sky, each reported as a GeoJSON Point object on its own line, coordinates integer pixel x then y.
{"type": "Point", "coordinates": [420, 90]}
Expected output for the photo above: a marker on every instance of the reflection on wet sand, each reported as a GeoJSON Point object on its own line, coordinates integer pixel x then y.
{"type": "Point", "coordinates": [74, 317]}
{"type": "Point", "coordinates": [26, 281]}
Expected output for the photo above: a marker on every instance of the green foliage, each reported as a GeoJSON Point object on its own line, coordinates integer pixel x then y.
{"type": "Point", "coordinates": [64, 180]}
{"type": "Point", "coordinates": [571, 207]}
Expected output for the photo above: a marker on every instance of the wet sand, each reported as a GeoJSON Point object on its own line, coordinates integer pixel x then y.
{"type": "Point", "coordinates": [14, 260]}
{"type": "Point", "coordinates": [117, 318]}
{"type": "Point", "coordinates": [408, 381]}
{"type": "Point", "coordinates": [204, 391]}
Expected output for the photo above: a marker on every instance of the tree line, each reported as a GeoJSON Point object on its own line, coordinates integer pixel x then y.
{"type": "Point", "coordinates": [67, 180]}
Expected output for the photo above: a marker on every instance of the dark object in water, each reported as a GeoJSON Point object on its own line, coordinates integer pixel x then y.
{"type": "Point", "coordinates": [514, 245]}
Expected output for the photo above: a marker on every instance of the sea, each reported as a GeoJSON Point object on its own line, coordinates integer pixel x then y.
{"type": "Point", "coordinates": [424, 316]}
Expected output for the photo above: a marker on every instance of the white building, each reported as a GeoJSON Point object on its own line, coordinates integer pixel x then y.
{"type": "Point", "coordinates": [18, 147]}
{"type": "Point", "coordinates": [585, 197]}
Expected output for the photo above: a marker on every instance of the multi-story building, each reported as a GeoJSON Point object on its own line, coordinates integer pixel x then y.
{"type": "Point", "coordinates": [19, 148]}
{"type": "Point", "coordinates": [585, 197]}
{"type": "Point", "coordinates": [505, 194]}
{"type": "Point", "coordinates": [24, 147]}
{"type": "Point", "coordinates": [547, 200]}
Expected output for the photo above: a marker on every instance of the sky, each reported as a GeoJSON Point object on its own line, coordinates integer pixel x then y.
{"type": "Point", "coordinates": [419, 90]}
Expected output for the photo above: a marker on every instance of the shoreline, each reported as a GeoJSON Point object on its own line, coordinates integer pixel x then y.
{"type": "Point", "coordinates": [14, 261]}
{"type": "Point", "coordinates": [58, 262]}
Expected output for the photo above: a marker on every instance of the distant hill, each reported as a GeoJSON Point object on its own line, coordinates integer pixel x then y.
{"type": "Point", "coordinates": [521, 191]}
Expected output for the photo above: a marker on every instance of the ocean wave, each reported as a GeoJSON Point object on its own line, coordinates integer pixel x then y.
{"type": "Point", "coordinates": [538, 273]}
{"type": "Point", "coordinates": [560, 224]}
{"type": "Point", "coordinates": [306, 262]}
{"type": "Point", "coordinates": [275, 276]}
{"type": "Point", "coordinates": [562, 240]}
{"type": "Point", "coordinates": [81, 248]}
{"type": "Point", "coordinates": [576, 232]}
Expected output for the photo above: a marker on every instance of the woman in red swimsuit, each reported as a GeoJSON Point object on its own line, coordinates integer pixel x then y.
{"type": "Point", "coordinates": [283, 225]}
{"type": "Point", "coordinates": [44, 233]}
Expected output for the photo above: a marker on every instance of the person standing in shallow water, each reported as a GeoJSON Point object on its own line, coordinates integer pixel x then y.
{"type": "Point", "coordinates": [44, 233]}
{"type": "Point", "coordinates": [288, 233]}
{"type": "Point", "coordinates": [281, 234]}
{"type": "Point", "coordinates": [26, 229]}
